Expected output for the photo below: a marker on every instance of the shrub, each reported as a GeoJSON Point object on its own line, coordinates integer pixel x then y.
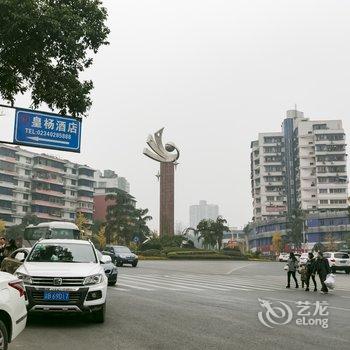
{"type": "Point", "coordinates": [151, 252]}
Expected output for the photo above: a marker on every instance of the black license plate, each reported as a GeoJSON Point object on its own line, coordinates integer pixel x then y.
{"type": "Point", "coordinates": [56, 296]}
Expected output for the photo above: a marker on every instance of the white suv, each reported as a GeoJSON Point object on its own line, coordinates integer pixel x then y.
{"type": "Point", "coordinates": [13, 313]}
{"type": "Point", "coordinates": [64, 275]}
{"type": "Point", "coordinates": [338, 261]}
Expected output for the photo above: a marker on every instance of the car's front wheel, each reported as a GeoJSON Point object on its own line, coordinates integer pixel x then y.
{"type": "Point", "coordinates": [99, 315]}
{"type": "Point", "coordinates": [334, 270]}
{"type": "Point", "coordinates": [112, 283]}
{"type": "Point", "coordinates": [3, 336]}
{"type": "Point", "coordinates": [347, 271]}
{"type": "Point", "coordinates": [134, 264]}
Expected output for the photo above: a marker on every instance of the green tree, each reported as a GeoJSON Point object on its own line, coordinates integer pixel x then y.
{"type": "Point", "coordinates": [141, 218]}
{"type": "Point", "coordinates": [219, 227]}
{"type": "Point", "coordinates": [82, 222]}
{"type": "Point", "coordinates": [296, 227]}
{"type": "Point", "coordinates": [17, 231]}
{"type": "Point", "coordinates": [206, 232]}
{"type": "Point", "coordinates": [120, 218]}
{"type": "Point", "coordinates": [45, 45]}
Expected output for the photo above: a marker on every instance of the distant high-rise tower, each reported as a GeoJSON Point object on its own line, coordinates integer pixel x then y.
{"type": "Point", "coordinates": [201, 211]}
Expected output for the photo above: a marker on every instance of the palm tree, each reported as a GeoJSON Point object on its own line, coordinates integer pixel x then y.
{"type": "Point", "coordinates": [220, 227]}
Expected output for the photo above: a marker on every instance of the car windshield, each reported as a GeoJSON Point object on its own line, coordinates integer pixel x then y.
{"type": "Point", "coordinates": [65, 252]}
{"type": "Point", "coordinates": [122, 250]}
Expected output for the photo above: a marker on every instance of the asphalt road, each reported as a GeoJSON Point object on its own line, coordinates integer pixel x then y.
{"type": "Point", "coordinates": [201, 305]}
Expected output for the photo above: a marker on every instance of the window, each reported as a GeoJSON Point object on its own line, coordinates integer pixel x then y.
{"type": "Point", "coordinates": [25, 209]}
{"type": "Point", "coordinates": [27, 172]}
{"type": "Point", "coordinates": [323, 190]}
{"type": "Point", "coordinates": [74, 182]}
{"type": "Point", "coordinates": [74, 171]}
{"type": "Point", "coordinates": [72, 216]}
{"type": "Point", "coordinates": [26, 184]}
{"type": "Point", "coordinates": [338, 201]}
{"type": "Point", "coordinates": [72, 193]}
{"type": "Point", "coordinates": [28, 161]}
{"type": "Point", "coordinates": [337, 190]}
{"type": "Point", "coordinates": [25, 196]}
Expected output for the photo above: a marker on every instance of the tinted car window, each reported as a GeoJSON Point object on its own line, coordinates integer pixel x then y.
{"type": "Point", "coordinates": [326, 255]}
{"type": "Point", "coordinates": [341, 256]}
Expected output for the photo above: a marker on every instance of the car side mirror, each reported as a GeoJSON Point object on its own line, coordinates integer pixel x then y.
{"type": "Point", "coordinates": [105, 259]}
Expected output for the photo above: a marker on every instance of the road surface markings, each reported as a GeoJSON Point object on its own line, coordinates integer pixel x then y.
{"type": "Point", "coordinates": [136, 287]}
{"type": "Point", "coordinates": [238, 268]}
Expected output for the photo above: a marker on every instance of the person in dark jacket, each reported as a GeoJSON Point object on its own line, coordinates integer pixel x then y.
{"type": "Point", "coordinates": [322, 268]}
{"type": "Point", "coordinates": [310, 264]}
{"type": "Point", "coordinates": [292, 264]}
{"type": "Point", "coordinates": [2, 248]}
{"type": "Point", "coordinates": [10, 248]}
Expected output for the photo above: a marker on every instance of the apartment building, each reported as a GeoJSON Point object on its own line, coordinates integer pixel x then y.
{"type": "Point", "coordinates": [43, 185]}
{"type": "Point", "coordinates": [268, 176]}
{"type": "Point", "coordinates": [107, 183]}
{"type": "Point", "coordinates": [303, 166]}
{"type": "Point", "coordinates": [201, 211]}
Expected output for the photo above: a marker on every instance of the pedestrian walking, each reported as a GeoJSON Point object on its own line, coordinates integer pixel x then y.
{"type": "Point", "coordinates": [292, 264]}
{"type": "Point", "coordinates": [303, 275]}
{"type": "Point", "coordinates": [322, 269]}
{"type": "Point", "coordinates": [310, 264]}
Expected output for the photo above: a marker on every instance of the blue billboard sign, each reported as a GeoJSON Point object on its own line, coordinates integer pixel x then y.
{"type": "Point", "coordinates": [46, 130]}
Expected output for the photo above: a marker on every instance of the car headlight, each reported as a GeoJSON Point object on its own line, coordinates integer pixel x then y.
{"type": "Point", "coordinates": [25, 278]}
{"type": "Point", "coordinates": [94, 279]}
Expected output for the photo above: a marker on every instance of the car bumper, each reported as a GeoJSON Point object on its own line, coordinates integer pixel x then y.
{"type": "Point", "coordinates": [19, 325]}
{"type": "Point", "coordinates": [79, 299]}
{"type": "Point", "coordinates": [126, 261]}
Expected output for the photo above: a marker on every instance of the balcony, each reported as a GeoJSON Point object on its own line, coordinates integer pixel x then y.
{"type": "Point", "coordinates": [85, 188]}
{"type": "Point", "coordinates": [85, 210]}
{"type": "Point", "coordinates": [47, 216]}
{"type": "Point", "coordinates": [44, 203]}
{"type": "Point", "coordinates": [86, 177]}
{"type": "Point", "coordinates": [8, 159]}
{"type": "Point", "coordinates": [51, 181]}
{"type": "Point", "coordinates": [49, 168]}
{"type": "Point", "coordinates": [48, 192]}
{"type": "Point", "coordinates": [85, 199]}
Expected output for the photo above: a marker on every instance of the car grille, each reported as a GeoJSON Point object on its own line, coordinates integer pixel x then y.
{"type": "Point", "coordinates": [66, 281]}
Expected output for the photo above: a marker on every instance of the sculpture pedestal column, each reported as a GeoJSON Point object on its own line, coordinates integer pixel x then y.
{"type": "Point", "coordinates": [166, 215]}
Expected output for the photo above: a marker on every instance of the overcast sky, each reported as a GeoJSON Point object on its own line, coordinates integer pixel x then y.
{"type": "Point", "coordinates": [214, 73]}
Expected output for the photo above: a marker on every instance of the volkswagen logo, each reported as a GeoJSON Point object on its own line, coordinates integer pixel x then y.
{"type": "Point", "coordinates": [57, 281]}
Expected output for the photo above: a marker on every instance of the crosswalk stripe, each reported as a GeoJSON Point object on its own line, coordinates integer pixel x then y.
{"type": "Point", "coordinates": [136, 287]}
{"type": "Point", "coordinates": [217, 283]}
{"type": "Point", "coordinates": [157, 283]}
{"type": "Point", "coordinates": [195, 285]}
{"type": "Point", "coordinates": [237, 286]}
{"type": "Point", "coordinates": [150, 284]}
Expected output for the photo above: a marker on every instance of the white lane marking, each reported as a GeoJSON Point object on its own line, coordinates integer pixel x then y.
{"type": "Point", "coordinates": [136, 287]}
{"type": "Point", "coordinates": [155, 282]}
{"type": "Point", "coordinates": [238, 268]}
{"type": "Point", "coordinates": [196, 285]}
{"type": "Point", "coordinates": [230, 285]}
{"type": "Point", "coordinates": [150, 284]}
{"type": "Point", "coordinates": [116, 289]}
{"type": "Point", "coordinates": [294, 302]}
